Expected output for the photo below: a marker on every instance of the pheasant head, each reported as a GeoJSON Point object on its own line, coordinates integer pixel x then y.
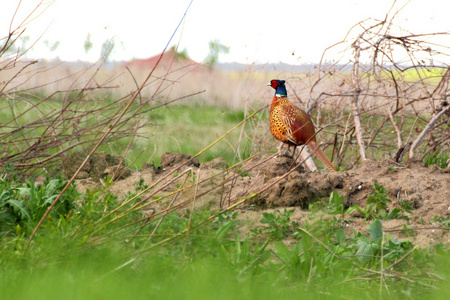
{"type": "Point", "coordinates": [280, 88]}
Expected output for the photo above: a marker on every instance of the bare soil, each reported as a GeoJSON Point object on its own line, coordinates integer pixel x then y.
{"type": "Point", "coordinates": [275, 183]}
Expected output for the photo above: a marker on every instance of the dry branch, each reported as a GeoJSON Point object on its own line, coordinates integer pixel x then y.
{"type": "Point", "coordinates": [355, 100]}
{"type": "Point", "coordinates": [428, 128]}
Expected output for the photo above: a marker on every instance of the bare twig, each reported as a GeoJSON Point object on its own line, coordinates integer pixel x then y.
{"type": "Point", "coordinates": [427, 128]}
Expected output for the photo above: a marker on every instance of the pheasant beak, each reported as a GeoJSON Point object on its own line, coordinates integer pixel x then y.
{"type": "Point", "coordinates": [269, 84]}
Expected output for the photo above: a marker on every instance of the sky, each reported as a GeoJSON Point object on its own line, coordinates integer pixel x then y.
{"type": "Point", "coordinates": [256, 31]}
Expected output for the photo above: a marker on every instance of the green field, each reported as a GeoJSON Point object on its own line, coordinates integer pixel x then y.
{"type": "Point", "coordinates": [148, 131]}
{"type": "Point", "coordinates": [190, 129]}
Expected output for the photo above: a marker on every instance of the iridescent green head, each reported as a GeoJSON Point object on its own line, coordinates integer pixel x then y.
{"type": "Point", "coordinates": [280, 88]}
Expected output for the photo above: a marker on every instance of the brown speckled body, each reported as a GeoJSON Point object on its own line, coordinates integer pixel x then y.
{"type": "Point", "coordinates": [290, 124]}
{"type": "Point", "coordinates": [294, 127]}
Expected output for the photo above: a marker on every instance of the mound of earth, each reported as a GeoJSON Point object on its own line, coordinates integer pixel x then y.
{"type": "Point", "coordinates": [271, 183]}
{"type": "Point", "coordinates": [99, 165]}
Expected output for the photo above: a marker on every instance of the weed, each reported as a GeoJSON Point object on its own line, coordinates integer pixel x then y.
{"type": "Point", "coordinates": [141, 185]}
{"type": "Point", "coordinates": [376, 207]}
{"type": "Point", "coordinates": [23, 206]}
{"type": "Point", "coordinates": [377, 203]}
{"type": "Point", "coordinates": [243, 173]}
{"type": "Point", "coordinates": [442, 221]}
{"type": "Point", "coordinates": [336, 204]}
{"type": "Point", "coordinates": [408, 232]}
{"type": "Point", "coordinates": [368, 249]}
{"type": "Point", "coordinates": [279, 225]}
{"type": "Point", "coordinates": [319, 206]}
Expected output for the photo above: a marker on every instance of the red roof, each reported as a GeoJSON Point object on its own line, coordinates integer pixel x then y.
{"type": "Point", "coordinates": [169, 58]}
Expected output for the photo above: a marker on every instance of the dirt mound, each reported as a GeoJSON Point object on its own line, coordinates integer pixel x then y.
{"type": "Point", "coordinates": [425, 189]}
{"type": "Point", "coordinates": [99, 165]}
{"type": "Point", "coordinates": [268, 183]}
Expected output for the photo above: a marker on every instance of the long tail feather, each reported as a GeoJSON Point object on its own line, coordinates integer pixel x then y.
{"type": "Point", "coordinates": [319, 153]}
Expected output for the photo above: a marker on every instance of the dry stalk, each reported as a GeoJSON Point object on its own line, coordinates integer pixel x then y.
{"type": "Point", "coordinates": [427, 128]}
{"type": "Point", "coordinates": [170, 205]}
{"type": "Point", "coordinates": [355, 100]}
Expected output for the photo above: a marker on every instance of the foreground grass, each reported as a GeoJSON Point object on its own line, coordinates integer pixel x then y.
{"type": "Point", "coordinates": [91, 247]}
{"type": "Point", "coordinates": [200, 279]}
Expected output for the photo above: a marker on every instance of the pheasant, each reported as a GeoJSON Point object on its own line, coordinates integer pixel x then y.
{"type": "Point", "coordinates": [292, 125]}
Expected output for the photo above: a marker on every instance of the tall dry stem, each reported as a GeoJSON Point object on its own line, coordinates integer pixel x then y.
{"type": "Point", "coordinates": [355, 101]}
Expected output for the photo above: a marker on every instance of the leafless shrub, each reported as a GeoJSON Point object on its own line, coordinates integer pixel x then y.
{"type": "Point", "coordinates": [48, 113]}
{"type": "Point", "coordinates": [388, 99]}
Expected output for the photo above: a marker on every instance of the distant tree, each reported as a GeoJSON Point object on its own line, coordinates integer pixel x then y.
{"type": "Point", "coordinates": [107, 48]}
{"type": "Point", "coordinates": [182, 54]}
{"type": "Point", "coordinates": [51, 47]}
{"type": "Point", "coordinates": [215, 49]}
{"type": "Point", "coordinates": [87, 43]}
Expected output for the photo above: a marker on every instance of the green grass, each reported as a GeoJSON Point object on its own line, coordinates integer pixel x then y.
{"type": "Point", "coordinates": [189, 129]}
{"type": "Point", "coordinates": [82, 251]}
{"type": "Point", "coordinates": [439, 159]}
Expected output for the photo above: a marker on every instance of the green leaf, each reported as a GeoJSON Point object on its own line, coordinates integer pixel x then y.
{"type": "Point", "coordinates": [340, 236]}
{"type": "Point", "coordinates": [356, 207]}
{"type": "Point", "coordinates": [261, 249]}
{"type": "Point", "coordinates": [224, 229]}
{"type": "Point", "coordinates": [49, 200]}
{"type": "Point", "coordinates": [24, 191]}
{"type": "Point", "coordinates": [51, 187]}
{"type": "Point", "coordinates": [18, 207]}
{"type": "Point", "coordinates": [365, 251]}
{"type": "Point", "coordinates": [394, 214]}
{"type": "Point", "coordinates": [336, 203]}
{"type": "Point", "coordinates": [267, 218]}
{"type": "Point", "coordinates": [375, 230]}
{"type": "Point", "coordinates": [5, 196]}
{"type": "Point", "coordinates": [382, 214]}
{"type": "Point", "coordinates": [282, 251]}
